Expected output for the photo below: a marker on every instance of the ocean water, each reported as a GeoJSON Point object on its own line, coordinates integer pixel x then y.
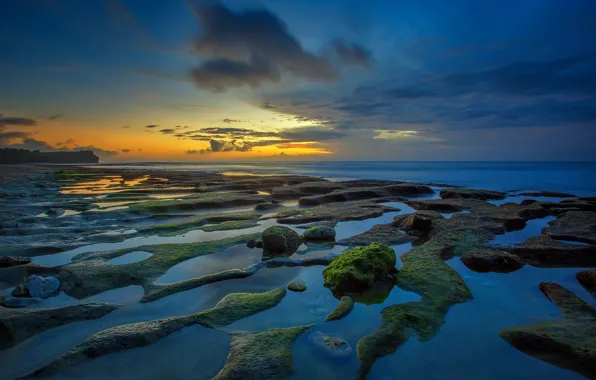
{"type": "Point", "coordinates": [573, 177]}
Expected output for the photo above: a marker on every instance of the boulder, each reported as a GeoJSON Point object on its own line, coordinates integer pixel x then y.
{"type": "Point", "coordinates": [330, 345]}
{"type": "Point", "coordinates": [501, 262]}
{"type": "Point", "coordinates": [358, 268]}
{"type": "Point", "coordinates": [319, 233]}
{"type": "Point", "coordinates": [251, 244]}
{"type": "Point", "coordinates": [297, 285]}
{"type": "Point", "coordinates": [279, 240]}
{"type": "Point", "coordinates": [419, 221]}
{"type": "Point", "coordinates": [12, 261]}
{"type": "Point", "coordinates": [40, 287]}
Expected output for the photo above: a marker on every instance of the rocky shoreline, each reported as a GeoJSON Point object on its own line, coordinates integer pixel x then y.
{"type": "Point", "coordinates": [79, 221]}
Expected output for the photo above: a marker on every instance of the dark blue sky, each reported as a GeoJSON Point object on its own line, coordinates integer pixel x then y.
{"type": "Point", "coordinates": [337, 79]}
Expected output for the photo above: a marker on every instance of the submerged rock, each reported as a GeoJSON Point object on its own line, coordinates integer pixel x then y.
{"type": "Point", "coordinates": [230, 309]}
{"type": "Point", "coordinates": [330, 345]}
{"type": "Point", "coordinates": [543, 251]}
{"type": "Point", "coordinates": [262, 355]}
{"type": "Point", "coordinates": [346, 304]}
{"type": "Point", "coordinates": [297, 285]}
{"type": "Point", "coordinates": [19, 325]}
{"type": "Point", "coordinates": [11, 261]}
{"type": "Point", "coordinates": [500, 262]}
{"type": "Point", "coordinates": [280, 240]}
{"type": "Point", "coordinates": [319, 233]}
{"type": "Point", "coordinates": [569, 343]}
{"type": "Point", "coordinates": [587, 278]}
{"type": "Point", "coordinates": [357, 269]}
{"type": "Point", "coordinates": [40, 287]}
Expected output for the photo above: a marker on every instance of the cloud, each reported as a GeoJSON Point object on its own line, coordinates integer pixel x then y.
{"type": "Point", "coordinates": [250, 47]}
{"type": "Point", "coordinates": [192, 151]}
{"type": "Point", "coordinates": [67, 142]}
{"type": "Point", "coordinates": [125, 150]}
{"type": "Point", "coordinates": [126, 126]}
{"type": "Point", "coordinates": [167, 131]}
{"type": "Point", "coordinates": [229, 121]}
{"type": "Point", "coordinates": [151, 126]}
{"type": "Point", "coordinates": [6, 138]}
{"type": "Point", "coordinates": [56, 116]}
{"type": "Point", "coordinates": [23, 140]}
{"type": "Point", "coordinates": [20, 121]}
{"type": "Point", "coordinates": [349, 53]}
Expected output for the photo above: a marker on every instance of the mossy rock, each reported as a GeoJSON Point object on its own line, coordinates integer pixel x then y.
{"type": "Point", "coordinates": [263, 355]}
{"type": "Point", "coordinates": [297, 285]}
{"type": "Point", "coordinates": [346, 304]}
{"type": "Point", "coordinates": [325, 233]}
{"type": "Point", "coordinates": [280, 240]}
{"type": "Point", "coordinates": [587, 279]}
{"type": "Point", "coordinates": [231, 308]}
{"type": "Point", "coordinates": [358, 268]}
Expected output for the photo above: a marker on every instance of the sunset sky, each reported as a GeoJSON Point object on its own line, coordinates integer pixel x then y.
{"type": "Point", "coordinates": [149, 80]}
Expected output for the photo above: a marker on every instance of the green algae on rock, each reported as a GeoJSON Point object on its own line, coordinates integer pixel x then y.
{"type": "Point", "coordinates": [206, 200]}
{"type": "Point", "coordinates": [297, 285]}
{"type": "Point", "coordinates": [587, 278]}
{"type": "Point", "coordinates": [280, 240]}
{"type": "Point", "coordinates": [334, 212]}
{"type": "Point", "coordinates": [230, 309]}
{"type": "Point", "coordinates": [356, 269]}
{"type": "Point", "coordinates": [261, 355]}
{"type": "Point", "coordinates": [380, 233]}
{"type": "Point", "coordinates": [569, 343]}
{"type": "Point", "coordinates": [91, 274]}
{"type": "Point", "coordinates": [345, 306]}
{"type": "Point", "coordinates": [325, 233]}
{"type": "Point", "coordinates": [19, 325]}
{"type": "Point", "coordinates": [206, 223]}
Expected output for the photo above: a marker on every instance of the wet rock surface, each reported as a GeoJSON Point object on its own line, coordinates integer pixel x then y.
{"type": "Point", "coordinates": [345, 306]}
{"type": "Point", "coordinates": [279, 240]}
{"type": "Point", "coordinates": [500, 262]}
{"type": "Point", "coordinates": [11, 261]}
{"type": "Point", "coordinates": [319, 233]}
{"type": "Point", "coordinates": [381, 233]}
{"type": "Point", "coordinates": [297, 285]}
{"type": "Point", "coordinates": [330, 345]}
{"type": "Point", "coordinates": [472, 194]}
{"type": "Point", "coordinates": [569, 342]}
{"type": "Point", "coordinates": [587, 278]}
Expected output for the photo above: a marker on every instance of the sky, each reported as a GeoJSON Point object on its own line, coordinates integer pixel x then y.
{"type": "Point", "coordinates": [192, 80]}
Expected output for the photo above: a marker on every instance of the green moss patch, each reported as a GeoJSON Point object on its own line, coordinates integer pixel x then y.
{"type": "Point", "coordinates": [206, 223]}
{"type": "Point", "coordinates": [356, 269]}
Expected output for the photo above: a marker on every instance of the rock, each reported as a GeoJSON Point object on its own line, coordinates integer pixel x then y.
{"type": "Point", "coordinates": [231, 308]}
{"type": "Point", "coordinates": [543, 251]}
{"type": "Point", "coordinates": [280, 240]}
{"type": "Point", "coordinates": [358, 268]}
{"type": "Point", "coordinates": [319, 233]}
{"type": "Point", "coordinates": [574, 226]}
{"type": "Point", "coordinates": [297, 285]}
{"type": "Point", "coordinates": [471, 193]}
{"type": "Point", "coordinates": [334, 212]}
{"type": "Point", "coordinates": [19, 302]}
{"type": "Point", "coordinates": [552, 194]}
{"type": "Point", "coordinates": [40, 287]}
{"type": "Point", "coordinates": [261, 355]}
{"type": "Point", "coordinates": [330, 345]}
{"type": "Point", "coordinates": [419, 221]}
{"type": "Point", "coordinates": [587, 279]}
{"type": "Point", "coordinates": [500, 262]}
{"type": "Point", "coordinates": [11, 261]}
{"type": "Point", "coordinates": [569, 343]}
{"type": "Point", "coordinates": [55, 212]}
{"type": "Point", "coordinates": [20, 291]}
{"type": "Point", "coordinates": [251, 244]}
{"type": "Point", "coordinates": [20, 325]}
{"type": "Point", "coordinates": [346, 304]}
{"type": "Point", "coordinates": [266, 206]}
{"type": "Point", "coordinates": [380, 233]}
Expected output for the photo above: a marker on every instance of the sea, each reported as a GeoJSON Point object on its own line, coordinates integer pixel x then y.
{"type": "Point", "coordinates": [578, 178]}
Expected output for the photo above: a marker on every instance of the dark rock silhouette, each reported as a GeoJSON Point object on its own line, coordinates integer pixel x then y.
{"type": "Point", "coordinates": [21, 156]}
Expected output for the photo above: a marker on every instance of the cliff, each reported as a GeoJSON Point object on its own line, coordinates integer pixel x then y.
{"type": "Point", "coordinates": [20, 156]}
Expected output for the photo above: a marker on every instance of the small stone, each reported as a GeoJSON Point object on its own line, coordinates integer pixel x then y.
{"type": "Point", "coordinates": [332, 346]}
{"type": "Point", "coordinates": [298, 285]}
{"type": "Point", "coordinates": [319, 233]}
{"type": "Point", "coordinates": [40, 287]}
{"type": "Point", "coordinates": [20, 291]}
{"type": "Point", "coordinates": [251, 244]}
